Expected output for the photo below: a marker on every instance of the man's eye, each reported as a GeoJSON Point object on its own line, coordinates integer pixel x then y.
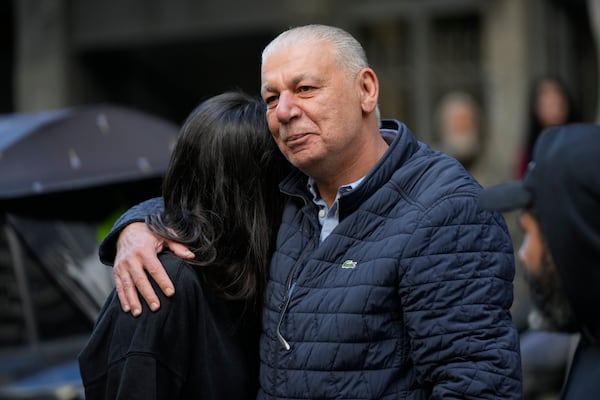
{"type": "Point", "coordinates": [303, 89]}
{"type": "Point", "coordinates": [271, 100]}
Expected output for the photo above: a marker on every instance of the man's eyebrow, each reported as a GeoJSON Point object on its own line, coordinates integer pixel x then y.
{"type": "Point", "coordinates": [295, 81]}
{"type": "Point", "coordinates": [266, 88]}
{"type": "Point", "coordinates": [310, 77]}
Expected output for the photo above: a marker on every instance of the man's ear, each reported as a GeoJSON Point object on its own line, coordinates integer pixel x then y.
{"type": "Point", "coordinates": [369, 89]}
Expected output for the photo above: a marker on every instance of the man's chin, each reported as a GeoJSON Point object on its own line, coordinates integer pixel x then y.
{"type": "Point", "coordinates": [302, 159]}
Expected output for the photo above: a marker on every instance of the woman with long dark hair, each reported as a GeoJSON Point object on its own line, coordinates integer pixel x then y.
{"type": "Point", "coordinates": [550, 103]}
{"type": "Point", "coordinates": [221, 199]}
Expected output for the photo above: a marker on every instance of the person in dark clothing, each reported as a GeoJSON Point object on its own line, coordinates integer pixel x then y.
{"type": "Point", "coordinates": [221, 200]}
{"type": "Point", "coordinates": [559, 199]}
{"type": "Point", "coordinates": [550, 103]}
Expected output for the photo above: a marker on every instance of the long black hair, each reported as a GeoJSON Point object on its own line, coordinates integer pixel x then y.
{"type": "Point", "coordinates": [534, 125]}
{"type": "Point", "coordinates": [221, 193]}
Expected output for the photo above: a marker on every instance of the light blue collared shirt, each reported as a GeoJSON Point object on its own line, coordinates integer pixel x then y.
{"type": "Point", "coordinates": [329, 217]}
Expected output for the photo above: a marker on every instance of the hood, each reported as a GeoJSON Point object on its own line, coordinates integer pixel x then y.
{"type": "Point", "coordinates": [567, 199]}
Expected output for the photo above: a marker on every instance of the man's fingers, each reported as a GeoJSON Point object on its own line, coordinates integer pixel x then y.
{"type": "Point", "coordinates": [126, 291]}
{"type": "Point", "coordinates": [142, 284]}
{"type": "Point", "coordinates": [136, 258]}
{"type": "Point", "coordinates": [136, 253]}
{"type": "Point", "coordinates": [160, 276]}
{"type": "Point", "coordinates": [121, 294]}
{"type": "Point", "coordinates": [179, 250]}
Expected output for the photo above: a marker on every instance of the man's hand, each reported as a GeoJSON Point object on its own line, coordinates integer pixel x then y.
{"type": "Point", "coordinates": [137, 250]}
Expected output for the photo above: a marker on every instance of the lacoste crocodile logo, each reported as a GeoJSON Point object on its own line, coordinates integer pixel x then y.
{"type": "Point", "coordinates": [349, 264]}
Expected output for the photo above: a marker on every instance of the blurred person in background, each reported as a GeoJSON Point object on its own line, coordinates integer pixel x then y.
{"type": "Point", "coordinates": [460, 133]}
{"type": "Point", "coordinates": [220, 199]}
{"type": "Point", "coordinates": [458, 126]}
{"type": "Point", "coordinates": [559, 203]}
{"type": "Point", "coordinates": [550, 103]}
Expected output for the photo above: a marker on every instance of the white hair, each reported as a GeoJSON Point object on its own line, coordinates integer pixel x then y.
{"type": "Point", "coordinates": [349, 53]}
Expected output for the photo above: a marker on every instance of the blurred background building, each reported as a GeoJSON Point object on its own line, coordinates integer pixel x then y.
{"type": "Point", "coordinates": [165, 56]}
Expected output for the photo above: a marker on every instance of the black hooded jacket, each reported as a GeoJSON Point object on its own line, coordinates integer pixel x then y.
{"type": "Point", "coordinates": [567, 198]}
{"type": "Point", "coordinates": [568, 206]}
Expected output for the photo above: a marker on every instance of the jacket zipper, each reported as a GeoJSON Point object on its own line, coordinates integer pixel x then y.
{"type": "Point", "coordinates": [287, 296]}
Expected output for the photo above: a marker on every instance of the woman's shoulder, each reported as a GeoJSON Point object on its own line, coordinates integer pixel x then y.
{"type": "Point", "coordinates": [185, 277]}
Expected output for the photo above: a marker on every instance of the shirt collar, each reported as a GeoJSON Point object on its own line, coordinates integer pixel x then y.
{"type": "Point", "coordinates": [312, 187]}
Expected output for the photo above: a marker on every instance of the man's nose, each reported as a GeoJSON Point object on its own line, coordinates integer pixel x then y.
{"type": "Point", "coordinates": [287, 108]}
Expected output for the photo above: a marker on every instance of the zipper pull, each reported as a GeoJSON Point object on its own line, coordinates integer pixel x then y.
{"type": "Point", "coordinates": [283, 308]}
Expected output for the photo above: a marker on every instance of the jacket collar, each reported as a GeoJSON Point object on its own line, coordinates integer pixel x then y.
{"type": "Point", "coordinates": [403, 145]}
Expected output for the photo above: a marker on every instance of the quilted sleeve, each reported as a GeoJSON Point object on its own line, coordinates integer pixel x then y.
{"type": "Point", "coordinates": [457, 292]}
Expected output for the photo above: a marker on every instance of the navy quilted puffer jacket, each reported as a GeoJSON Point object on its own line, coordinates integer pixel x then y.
{"type": "Point", "coordinates": [408, 298]}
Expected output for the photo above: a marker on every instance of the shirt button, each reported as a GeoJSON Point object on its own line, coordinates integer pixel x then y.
{"type": "Point", "coordinates": [321, 213]}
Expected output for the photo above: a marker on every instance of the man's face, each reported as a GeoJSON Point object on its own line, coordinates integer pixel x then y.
{"type": "Point", "coordinates": [544, 281]}
{"type": "Point", "coordinates": [313, 107]}
{"type": "Point", "coordinates": [459, 131]}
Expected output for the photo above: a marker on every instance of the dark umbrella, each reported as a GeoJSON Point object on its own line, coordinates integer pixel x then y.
{"type": "Point", "coordinates": [81, 162]}
{"type": "Point", "coordinates": [80, 147]}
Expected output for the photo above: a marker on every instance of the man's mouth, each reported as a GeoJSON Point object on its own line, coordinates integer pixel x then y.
{"type": "Point", "coordinates": [295, 138]}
